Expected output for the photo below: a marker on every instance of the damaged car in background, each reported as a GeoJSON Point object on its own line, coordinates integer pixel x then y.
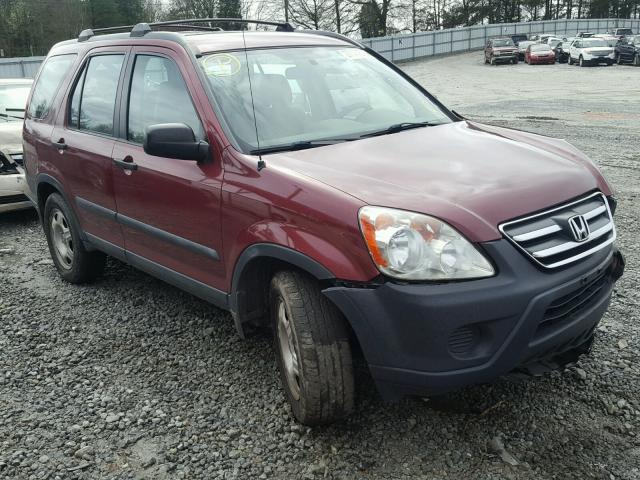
{"type": "Point", "coordinates": [13, 98]}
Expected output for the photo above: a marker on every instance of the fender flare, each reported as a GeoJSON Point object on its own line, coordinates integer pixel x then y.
{"type": "Point", "coordinates": [275, 252]}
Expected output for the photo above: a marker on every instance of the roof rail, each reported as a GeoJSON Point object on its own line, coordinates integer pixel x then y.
{"type": "Point", "coordinates": [338, 36]}
{"type": "Point", "coordinates": [142, 29]}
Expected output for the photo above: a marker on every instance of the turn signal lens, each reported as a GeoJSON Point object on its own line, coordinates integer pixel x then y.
{"type": "Point", "coordinates": [412, 246]}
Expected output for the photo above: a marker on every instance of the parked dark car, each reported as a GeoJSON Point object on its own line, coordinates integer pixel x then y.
{"type": "Point", "coordinates": [519, 37]}
{"type": "Point", "coordinates": [303, 182]}
{"type": "Point", "coordinates": [500, 50]}
{"type": "Point", "coordinates": [628, 51]}
{"type": "Point", "coordinates": [539, 53]}
{"type": "Point", "coordinates": [558, 50]}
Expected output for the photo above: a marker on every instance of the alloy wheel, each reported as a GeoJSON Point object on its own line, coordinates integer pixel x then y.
{"type": "Point", "coordinates": [288, 350]}
{"type": "Point", "coordinates": [61, 238]}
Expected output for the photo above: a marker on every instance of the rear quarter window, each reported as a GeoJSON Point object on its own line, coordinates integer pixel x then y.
{"type": "Point", "coordinates": [53, 72]}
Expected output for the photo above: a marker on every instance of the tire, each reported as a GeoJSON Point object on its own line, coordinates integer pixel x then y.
{"type": "Point", "coordinates": [312, 346]}
{"type": "Point", "coordinates": [636, 60]}
{"type": "Point", "coordinates": [581, 62]}
{"type": "Point", "coordinates": [74, 263]}
{"type": "Point", "coordinates": [570, 61]}
{"type": "Point", "coordinates": [515, 61]}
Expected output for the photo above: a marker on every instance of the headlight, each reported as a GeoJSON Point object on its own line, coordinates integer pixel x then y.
{"type": "Point", "coordinates": [412, 246]}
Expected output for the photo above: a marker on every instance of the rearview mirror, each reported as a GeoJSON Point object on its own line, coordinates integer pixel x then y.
{"type": "Point", "coordinates": [174, 140]}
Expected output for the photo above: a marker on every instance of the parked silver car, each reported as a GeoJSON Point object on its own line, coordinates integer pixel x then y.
{"type": "Point", "coordinates": [13, 98]}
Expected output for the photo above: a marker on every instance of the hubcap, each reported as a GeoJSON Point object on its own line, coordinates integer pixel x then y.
{"type": "Point", "coordinates": [288, 350]}
{"type": "Point", "coordinates": [61, 239]}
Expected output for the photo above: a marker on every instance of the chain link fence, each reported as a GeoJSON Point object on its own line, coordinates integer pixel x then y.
{"type": "Point", "coordinates": [405, 47]}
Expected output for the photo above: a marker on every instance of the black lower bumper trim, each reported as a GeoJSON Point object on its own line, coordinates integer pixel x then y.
{"type": "Point", "coordinates": [433, 338]}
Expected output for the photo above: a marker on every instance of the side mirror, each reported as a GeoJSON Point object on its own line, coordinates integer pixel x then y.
{"type": "Point", "coordinates": [174, 140]}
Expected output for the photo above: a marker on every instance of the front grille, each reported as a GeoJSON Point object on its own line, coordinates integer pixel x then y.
{"type": "Point", "coordinates": [566, 307]}
{"type": "Point", "coordinates": [558, 236]}
{"type": "Point", "coordinates": [6, 200]}
{"type": "Point", "coordinates": [600, 53]}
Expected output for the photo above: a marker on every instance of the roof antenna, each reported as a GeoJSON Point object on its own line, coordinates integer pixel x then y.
{"type": "Point", "coordinates": [261, 162]}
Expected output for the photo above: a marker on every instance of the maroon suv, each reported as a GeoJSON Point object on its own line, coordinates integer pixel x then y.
{"type": "Point", "coordinates": [300, 180]}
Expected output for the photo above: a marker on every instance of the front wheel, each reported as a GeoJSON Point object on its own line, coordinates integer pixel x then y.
{"type": "Point", "coordinates": [312, 345]}
{"type": "Point", "coordinates": [570, 61]}
{"type": "Point", "coordinates": [581, 61]}
{"type": "Point", "coordinates": [636, 60]}
{"type": "Point", "coordinates": [74, 263]}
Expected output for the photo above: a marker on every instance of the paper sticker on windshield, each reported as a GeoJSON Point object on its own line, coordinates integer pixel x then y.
{"type": "Point", "coordinates": [221, 65]}
{"type": "Point", "coordinates": [353, 53]}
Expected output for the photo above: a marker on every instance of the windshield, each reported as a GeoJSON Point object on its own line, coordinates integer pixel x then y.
{"type": "Point", "coordinates": [503, 43]}
{"type": "Point", "coordinates": [593, 42]}
{"type": "Point", "coordinates": [308, 94]}
{"type": "Point", "coordinates": [13, 99]}
{"type": "Point", "coordinates": [540, 48]}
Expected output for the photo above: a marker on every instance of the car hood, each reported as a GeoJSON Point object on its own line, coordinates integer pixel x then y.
{"type": "Point", "coordinates": [11, 137]}
{"type": "Point", "coordinates": [598, 49]}
{"type": "Point", "coordinates": [472, 176]}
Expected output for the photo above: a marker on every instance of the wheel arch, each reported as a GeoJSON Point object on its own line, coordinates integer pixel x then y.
{"type": "Point", "coordinates": [248, 299]}
{"type": "Point", "coordinates": [45, 186]}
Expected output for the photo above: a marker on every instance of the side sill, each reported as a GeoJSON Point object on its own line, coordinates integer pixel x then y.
{"type": "Point", "coordinates": [194, 287]}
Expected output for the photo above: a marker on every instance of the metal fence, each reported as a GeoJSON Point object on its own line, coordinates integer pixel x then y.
{"type": "Point", "coordinates": [25, 67]}
{"type": "Point", "coordinates": [404, 47]}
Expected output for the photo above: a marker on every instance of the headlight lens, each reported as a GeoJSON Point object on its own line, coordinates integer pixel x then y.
{"type": "Point", "coordinates": [412, 246]}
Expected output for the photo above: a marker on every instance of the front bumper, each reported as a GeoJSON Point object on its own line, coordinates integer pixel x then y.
{"type": "Point", "coordinates": [505, 58]}
{"type": "Point", "coordinates": [432, 338]}
{"type": "Point", "coordinates": [12, 192]}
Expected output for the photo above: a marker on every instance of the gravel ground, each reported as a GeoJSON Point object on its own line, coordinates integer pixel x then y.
{"type": "Point", "coordinates": [131, 378]}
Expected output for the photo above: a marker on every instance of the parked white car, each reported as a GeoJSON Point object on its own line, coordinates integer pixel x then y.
{"type": "Point", "coordinates": [591, 51]}
{"type": "Point", "coordinates": [13, 99]}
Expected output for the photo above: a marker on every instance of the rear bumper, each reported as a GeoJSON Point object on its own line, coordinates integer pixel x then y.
{"type": "Point", "coordinates": [429, 339]}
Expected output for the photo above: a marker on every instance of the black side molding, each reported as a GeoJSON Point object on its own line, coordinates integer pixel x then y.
{"type": "Point", "coordinates": [167, 237]}
{"type": "Point", "coordinates": [148, 229]}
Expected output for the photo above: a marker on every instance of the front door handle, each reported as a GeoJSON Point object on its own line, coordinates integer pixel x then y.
{"type": "Point", "coordinates": [126, 163]}
{"type": "Point", "coordinates": [60, 145]}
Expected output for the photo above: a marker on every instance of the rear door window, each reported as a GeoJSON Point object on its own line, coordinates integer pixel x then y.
{"type": "Point", "coordinates": [93, 101]}
{"type": "Point", "coordinates": [53, 72]}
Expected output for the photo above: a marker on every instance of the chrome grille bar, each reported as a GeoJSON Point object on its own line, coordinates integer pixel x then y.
{"type": "Point", "coordinates": [548, 239]}
{"type": "Point", "coordinates": [563, 247]}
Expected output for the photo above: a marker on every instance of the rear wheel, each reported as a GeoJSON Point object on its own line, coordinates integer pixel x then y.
{"type": "Point", "coordinates": [74, 263]}
{"type": "Point", "coordinates": [312, 345]}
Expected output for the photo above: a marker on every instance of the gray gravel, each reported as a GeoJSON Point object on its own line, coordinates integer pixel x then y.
{"type": "Point", "coordinates": [131, 378]}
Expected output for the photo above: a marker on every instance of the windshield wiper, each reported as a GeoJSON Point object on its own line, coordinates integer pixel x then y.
{"type": "Point", "coordinates": [399, 127]}
{"type": "Point", "coordinates": [289, 147]}
{"type": "Point", "coordinates": [4, 115]}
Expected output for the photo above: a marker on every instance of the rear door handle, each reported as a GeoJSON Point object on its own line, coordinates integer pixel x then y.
{"type": "Point", "coordinates": [60, 145]}
{"type": "Point", "coordinates": [125, 164]}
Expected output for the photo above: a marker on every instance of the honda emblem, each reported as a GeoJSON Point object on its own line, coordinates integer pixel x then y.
{"type": "Point", "coordinates": [579, 228]}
